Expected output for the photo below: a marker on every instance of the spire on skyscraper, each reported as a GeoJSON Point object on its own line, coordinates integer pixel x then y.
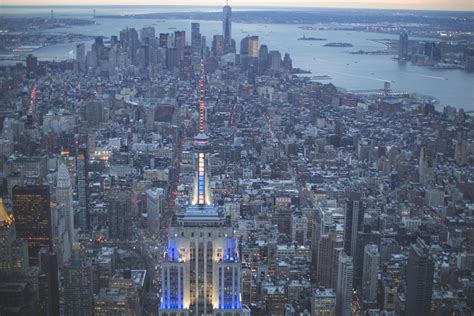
{"type": "Point", "coordinates": [203, 228]}
{"type": "Point", "coordinates": [201, 193]}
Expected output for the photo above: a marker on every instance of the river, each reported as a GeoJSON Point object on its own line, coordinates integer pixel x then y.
{"type": "Point", "coordinates": [353, 72]}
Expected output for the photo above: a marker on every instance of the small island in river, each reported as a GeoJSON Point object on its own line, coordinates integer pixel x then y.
{"type": "Point", "coordinates": [304, 38]}
{"type": "Point", "coordinates": [338, 45]}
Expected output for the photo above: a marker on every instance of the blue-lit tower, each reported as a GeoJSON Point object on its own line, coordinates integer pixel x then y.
{"type": "Point", "coordinates": [201, 273]}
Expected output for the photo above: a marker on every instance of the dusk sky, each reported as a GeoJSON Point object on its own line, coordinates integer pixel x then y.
{"type": "Point", "coordinates": [465, 5]}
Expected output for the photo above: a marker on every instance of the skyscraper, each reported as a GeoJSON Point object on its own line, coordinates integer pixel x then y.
{"type": "Point", "coordinates": [262, 59]}
{"type": "Point", "coordinates": [119, 213]}
{"type": "Point", "coordinates": [179, 43]}
{"type": "Point", "coordinates": [171, 58]}
{"type": "Point", "coordinates": [344, 285]}
{"type": "Point", "coordinates": [329, 248]}
{"type": "Point", "coordinates": [31, 209]}
{"type": "Point", "coordinates": [201, 272]}
{"type": "Point", "coordinates": [227, 26]}
{"type": "Point", "coordinates": [81, 56]}
{"type": "Point", "coordinates": [274, 63]}
{"type": "Point", "coordinates": [13, 251]}
{"type": "Point", "coordinates": [420, 270]}
{"type": "Point", "coordinates": [163, 40]}
{"type": "Point", "coordinates": [196, 38]}
{"type": "Point", "coordinates": [249, 51]}
{"type": "Point", "coordinates": [253, 46]}
{"type": "Point", "coordinates": [48, 281]}
{"type": "Point", "coordinates": [354, 220]}
{"type": "Point", "coordinates": [246, 43]}
{"type": "Point", "coordinates": [78, 298]}
{"type": "Point", "coordinates": [94, 112]}
{"type": "Point", "coordinates": [147, 36]}
{"type": "Point", "coordinates": [82, 185]}
{"type": "Point", "coordinates": [62, 216]}
{"type": "Point", "coordinates": [403, 46]}
{"type": "Point", "coordinates": [364, 237]}
{"type": "Point", "coordinates": [218, 45]}
{"type": "Point", "coordinates": [154, 208]}
{"type": "Point", "coordinates": [31, 63]}
{"type": "Point", "coordinates": [370, 271]}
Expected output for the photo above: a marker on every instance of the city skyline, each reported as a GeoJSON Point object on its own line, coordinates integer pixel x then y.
{"type": "Point", "coordinates": [212, 163]}
{"type": "Point", "coordinates": [454, 5]}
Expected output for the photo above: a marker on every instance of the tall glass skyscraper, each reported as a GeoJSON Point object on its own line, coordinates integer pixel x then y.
{"type": "Point", "coordinates": [201, 272]}
{"type": "Point", "coordinates": [31, 209]}
{"type": "Point", "coordinates": [227, 25]}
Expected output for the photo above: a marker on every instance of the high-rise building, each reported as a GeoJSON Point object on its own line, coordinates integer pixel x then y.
{"type": "Point", "coordinates": [78, 296]}
{"type": "Point", "coordinates": [81, 56]}
{"type": "Point", "coordinates": [274, 63]}
{"type": "Point", "coordinates": [227, 26]}
{"type": "Point", "coordinates": [163, 40]}
{"type": "Point", "coordinates": [144, 56]}
{"type": "Point", "coordinates": [114, 301]}
{"type": "Point", "coordinates": [82, 189]}
{"type": "Point", "coordinates": [344, 286]}
{"type": "Point", "coordinates": [179, 44]}
{"type": "Point", "coordinates": [354, 220]}
{"type": "Point", "coordinates": [147, 36]}
{"type": "Point", "coordinates": [370, 273]}
{"type": "Point", "coordinates": [249, 46]}
{"type": "Point", "coordinates": [249, 52]}
{"type": "Point", "coordinates": [129, 40]}
{"type": "Point", "coordinates": [201, 272]}
{"type": "Point", "coordinates": [62, 216]}
{"type": "Point", "coordinates": [287, 62]}
{"type": "Point", "coordinates": [426, 166]}
{"type": "Point", "coordinates": [31, 209]}
{"type": "Point", "coordinates": [253, 47]}
{"type": "Point", "coordinates": [262, 59]}
{"type": "Point", "coordinates": [403, 46]}
{"type": "Point", "coordinates": [329, 248]}
{"type": "Point", "coordinates": [17, 296]}
{"type": "Point", "coordinates": [299, 228]}
{"type": "Point", "coordinates": [98, 48]}
{"type": "Point", "coordinates": [218, 45]}
{"type": "Point", "coordinates": [119, 213]}
{"type": "Point", "coordinates": [31, 63]}
{"type": "Point", "coordinates": [196, 38]}
{"type": "Point", "coordinates": [48, 281]}
{"type": "Point", "coordinates": [32, 168]}
{"type": "Point", "coordinates": [154, 208]}
{"type": "Point", "coordinates": [461, 150]}
{"type": "Point", "coordinates": [171, 58]}
{"type": "Point", "coordinates": [94, 112]}
{"type": "Point", "coordinates": [204, 48]}
{"type": "Point", "coordinates": [420, 270]}
{"type": "Point", "coordinates": [323, 302]}
{"type": "Point", "coordinates": [364, 237]}
{"type": "Point", "coordinates": [13, 250]}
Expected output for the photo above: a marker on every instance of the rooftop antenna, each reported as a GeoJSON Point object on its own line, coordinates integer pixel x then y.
{"type": "Point", "coordinates": [202, 92]}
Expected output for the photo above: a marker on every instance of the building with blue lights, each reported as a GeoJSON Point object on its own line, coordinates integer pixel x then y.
{"type": "Point", "coordinates": [201, 272]}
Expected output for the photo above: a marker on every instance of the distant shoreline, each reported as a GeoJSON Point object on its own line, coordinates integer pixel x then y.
{"type": "Point", "coordinates": [237, 7]}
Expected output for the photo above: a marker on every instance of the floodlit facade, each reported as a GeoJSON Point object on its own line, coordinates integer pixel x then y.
{"type": "Point", "coordinates": [201, 272]}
